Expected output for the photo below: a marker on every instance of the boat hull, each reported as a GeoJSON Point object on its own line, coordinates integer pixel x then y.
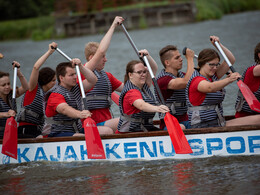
{"type": "Point", "coordinates": [139, 146]}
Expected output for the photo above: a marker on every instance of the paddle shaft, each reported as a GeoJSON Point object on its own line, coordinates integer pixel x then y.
{"type": "Point", "coordinates": [176, 134]}
{"type": "Point", "coordinates": [146, 62]}
{"type": "Point", "coordinates": [14, 82]}
{"type": "Point", "coordinates": [79, 77]}
{"type": "Point", "coordinates": [225, 57]}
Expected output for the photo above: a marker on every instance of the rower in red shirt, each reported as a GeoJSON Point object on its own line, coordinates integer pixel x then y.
{"type": "Point", "coordinates": [251, 78]}
{"type": "Point", "coordinates": [99, 98]}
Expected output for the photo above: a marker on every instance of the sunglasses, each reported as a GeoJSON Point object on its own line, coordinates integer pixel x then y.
{"type": "Point", "coordinates": [212, 64]}
{"type": "Point", "coordinates": [140, 72]}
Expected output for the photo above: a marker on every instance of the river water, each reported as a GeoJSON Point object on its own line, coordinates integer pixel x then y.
{"type": "Point", "coordinates": [216, 175]}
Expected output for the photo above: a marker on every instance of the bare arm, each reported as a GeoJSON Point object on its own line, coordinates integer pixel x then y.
{"type": "Point", "coordinates": [67, 110]}
{"type": "Point", "coordinates": [120, 88]}
{"type": "Point", "coordinates": [223, 68]}
{"type": "Point", "coordinates": [146, 107]}
{"type": "Point", "coordinates": [104, 44]}
{"type": "Point", "coordinates": [7, 114]}
{"type": "Point", "coordinates": [210, 87]}
{"type": "Point", "coordinates": [152, 63]}
{"type": "Point", "coordinates": [90, 78]}
{"type": "Point", "coordinates": [35, 71]}
{"type": "Point", "coordinates": [24, 85]}
{"type": "Point", "coordinates": [180, 83]}
{"type": "Point", "coordinates": [256, 70]}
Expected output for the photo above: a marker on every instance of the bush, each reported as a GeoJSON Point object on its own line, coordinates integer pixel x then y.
{"type": "Point", "coordinates": [36, 28]}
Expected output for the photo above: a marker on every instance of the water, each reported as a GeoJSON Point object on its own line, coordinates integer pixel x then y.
{"type": "Point", "coordinates": [216, 175]}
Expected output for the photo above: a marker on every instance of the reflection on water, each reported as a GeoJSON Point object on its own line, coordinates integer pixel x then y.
{"type": "Point", "coordinates": [183, 175]}
{"type": "Point", "coordinates": [14, 185]}
{"type": "Point", "coordinates": [215, 175]}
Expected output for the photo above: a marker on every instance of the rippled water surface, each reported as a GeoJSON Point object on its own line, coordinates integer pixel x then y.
{"type": "Point", "coordinates": [216, 175]}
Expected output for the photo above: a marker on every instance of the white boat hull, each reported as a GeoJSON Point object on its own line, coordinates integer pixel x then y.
{"type": "Point", "coordinates": [141, 148]}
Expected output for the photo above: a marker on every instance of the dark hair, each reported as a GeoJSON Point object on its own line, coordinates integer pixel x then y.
{"type": "Point", "coordinates": [46, 75]}
{"type": "Point", "coordinates": [165, 54]}
{"type": "Point", "coordinates": [130, 68]}
{"type": "Point", "coordinates": [4, 74]}
{"type": "Point", "coordinates": [257, 51]}
{"type": "Point", "coordinates": [61, 69]}
{"type": "Point", "coordinates": [207, 55]}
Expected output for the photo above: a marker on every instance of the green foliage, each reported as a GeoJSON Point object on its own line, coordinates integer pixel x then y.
{"type": "Point", "coordinates": [214, 9]}
{"type": "Point", "coordinates": [40, 28]}
{"type": "Point", "coordinates": [207, 10]}
{"type": "Point", "coordinates": [23, 29]}
{"type": "Point", "coordinates": [142, 22]}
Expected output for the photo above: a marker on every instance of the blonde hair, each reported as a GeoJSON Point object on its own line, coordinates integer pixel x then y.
{"type": "Point", "coordinates": [90, 49]}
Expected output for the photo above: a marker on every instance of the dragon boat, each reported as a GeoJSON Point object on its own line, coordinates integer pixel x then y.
{"type": "Point", "coordinates": [204, 142]}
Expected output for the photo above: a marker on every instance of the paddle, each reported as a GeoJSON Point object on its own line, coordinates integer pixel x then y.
{"type": "Point", "coordinates": [179, 141]}
{"type": "Point", "coordinates": [9, 146]}
{"type": "Point", "coordinates": [184, 52]}
{"type": "Point", "coordinates": [250, 98]}
{"type": "Point", "coordinates": [115, 98]}
{"type": "Point", "coordinates": [93, 141]}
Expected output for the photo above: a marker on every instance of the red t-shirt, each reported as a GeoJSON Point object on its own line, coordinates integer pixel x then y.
{"type": "Point", "coordinates": [163, 85]}
{"type": "Point", "coordinates": [28, 99]}
{"type": "Point", "coordinates": [54, 100]}
{"type": "Point", "coordinates": [103, 114]}
{"type": "Point", "coordinates": [196, 98]}
{"type": "Point", "coordinates": [129, 99]}
{"type": "Point", "coordinates": [253, 83]}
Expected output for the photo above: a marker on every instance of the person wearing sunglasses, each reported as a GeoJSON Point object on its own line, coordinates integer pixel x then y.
{"type": "Point", "coordinates": [251, 77]}
{"type": "Point", "coordinates": [172, 82]}
{"type": "Point", "coordinates": [205, 91]}
{"type": "Point", "coordinates": [137, 103]}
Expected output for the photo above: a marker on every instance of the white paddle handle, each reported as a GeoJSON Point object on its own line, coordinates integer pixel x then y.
{"type": "Point", "coordinates": [14, 82]}
{"type": "Point", "coordinates": [61, 52]}
{"type": "Point", "coordinates": [77, 71]}
{"type": "Point", "coordinates": [223, 54]}
{"type": "Point", "coordinates": [80, 82]}
{"type": "Point", "coordinates": [148, 66]}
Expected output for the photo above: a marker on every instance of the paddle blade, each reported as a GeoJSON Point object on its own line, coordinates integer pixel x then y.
{"type": "Point", "coordinates": [115, 98]}
{"type": "Point", "coordinates": [9, 146]}
{"type": "Point", "coordinates": [249, 96]}
{"type": "Point", "coordinates": [179, 141]}
{"type": "Point", "coordinates": [94, 144]}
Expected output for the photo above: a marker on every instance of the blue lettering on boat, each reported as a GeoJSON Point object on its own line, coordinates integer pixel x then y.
{"type": "Point", "coordinates": [143, 145]}
{"type": "Point", "coordinates": [240, 150]}
{"type": "Point", "coordinates": [198, 148]}
{"type": "Point", "coordinates": [251, 143]}
{"type": "Point", "coordinates": [163, 153]}
{"type": "Point", "coordinates": [130, 147]}
{"type": "Point", "coordinates": [83, 152]}
{"type": "Point", "coordinates": [52, 158]}
{"type": "Point", "coordinates": [22, 155]}
{"type": "Point", "coordinates": [112, 151]}
{"type": "Point", "coordinates": [210, 145]}
{"type": "Point", "coordinates": [141, 148]}
{"type": "Point", "coordinates": [73, 155]}
{"type": "Point", "coordinates": [40, 154]}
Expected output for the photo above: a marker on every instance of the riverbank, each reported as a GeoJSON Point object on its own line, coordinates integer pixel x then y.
{"type": "Point", "coordinates": [43, 28]}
